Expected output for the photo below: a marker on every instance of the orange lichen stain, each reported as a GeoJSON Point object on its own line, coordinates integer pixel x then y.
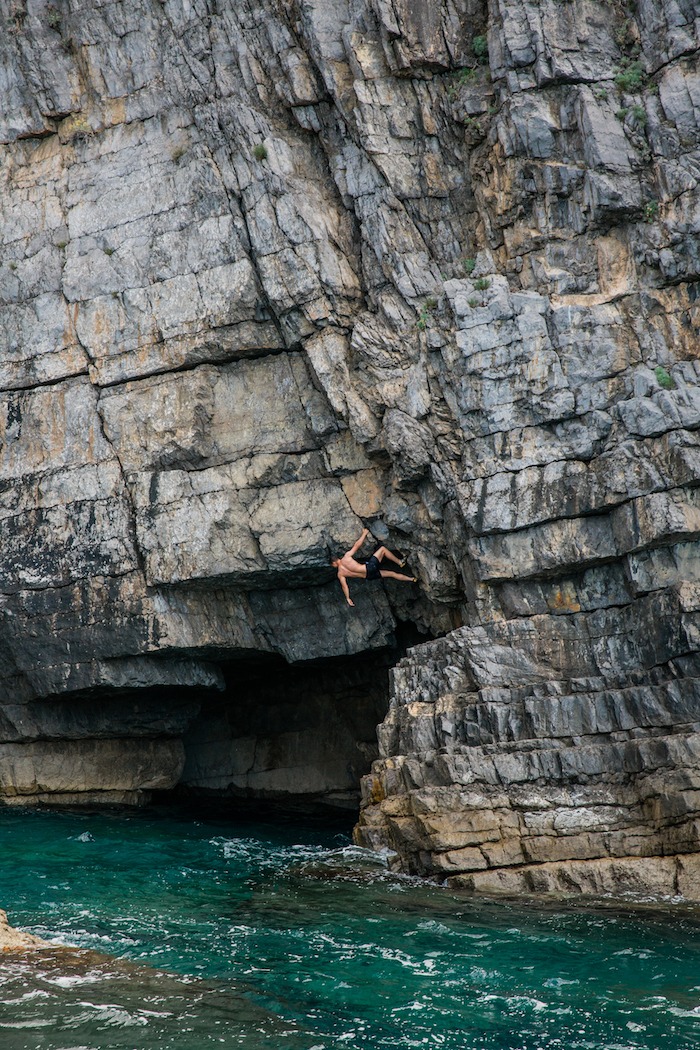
{"type": "Point", "coordinates": [364, 494]}
{"type": "Point", "coordinates": [377, 793]}
{"type": "Point", "coordinates": [114, 111]}
{"type": "Point", "coordinates": [564, 600]}
{"type": "Point", "coordinates": [102, 326]}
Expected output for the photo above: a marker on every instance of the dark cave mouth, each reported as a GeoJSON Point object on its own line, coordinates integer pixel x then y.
{"type": "Point", "coordinates": [280, 741]}
{"type": "Point", "coordinates": [289, 739]}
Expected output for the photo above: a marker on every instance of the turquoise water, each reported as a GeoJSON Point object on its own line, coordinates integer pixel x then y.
{"type": "Point", "coordinates": [253, 936]}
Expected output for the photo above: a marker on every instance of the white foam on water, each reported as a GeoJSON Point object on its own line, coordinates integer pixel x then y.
{"type": "Point", "coordinates": [74, 980]}
{"type": "Point", "coordinates": [416, 1005]}
{"type": "Point", "coordinates": [37, 993]}
{"type": "Point", "coordinates": [114, 1015]}
{"type": "Point", "coordinates": [677, 1011]}
{"type": "Point", "coordinates": [636, 953]}
{"type": "Point", "coordinates": [558, 982]}
{"type": "Point", "coordinates": [38, 1023]}
{"type": "Point", "coordinates": [434, 925]}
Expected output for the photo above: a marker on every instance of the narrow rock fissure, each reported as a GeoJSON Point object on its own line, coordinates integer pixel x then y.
{"type": "Point", "coordinates": [249, 355]}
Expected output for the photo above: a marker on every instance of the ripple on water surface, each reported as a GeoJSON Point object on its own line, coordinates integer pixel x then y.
{"type": "Point", "coordinates": [262, 936]}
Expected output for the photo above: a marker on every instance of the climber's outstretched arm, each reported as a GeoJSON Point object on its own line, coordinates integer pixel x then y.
{"type": "Point", "coordinates": [346, 590]}
{"type": "Point", "coordinates": [353, 550]}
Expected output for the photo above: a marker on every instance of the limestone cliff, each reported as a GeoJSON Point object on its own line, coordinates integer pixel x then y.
{"type": "Point", "coordinates": [272, 271]}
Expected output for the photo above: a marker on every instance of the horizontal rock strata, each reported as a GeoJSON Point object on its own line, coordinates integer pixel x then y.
{"type": "Point", "coordinates": [555, 773]}
{"type": "Point", "coordinates": [275, 271]}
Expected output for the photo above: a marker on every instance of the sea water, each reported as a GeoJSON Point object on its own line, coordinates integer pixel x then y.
{"type": "Point", "coordinates": [201, 933]}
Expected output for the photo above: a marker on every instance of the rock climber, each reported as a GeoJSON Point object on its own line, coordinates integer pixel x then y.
{"type": "Point", "coordinates": [350, 569]}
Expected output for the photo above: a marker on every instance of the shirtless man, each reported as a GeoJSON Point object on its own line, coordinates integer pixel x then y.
{"type": "Point", "coordinates": [349, 569]}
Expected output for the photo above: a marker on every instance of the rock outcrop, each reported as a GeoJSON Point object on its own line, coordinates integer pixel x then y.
{"type": "Point", "coordinates": [12, 940]}
{"type": "Point", "coordinates": [543, 775]}
{"type": "Point", "coordinates": [274, 271]}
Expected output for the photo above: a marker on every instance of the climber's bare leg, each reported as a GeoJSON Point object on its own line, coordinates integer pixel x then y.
{"type": "Point", "coordinates": [387, 574]}
{"type": "Point", "coordinates": [384, 552]}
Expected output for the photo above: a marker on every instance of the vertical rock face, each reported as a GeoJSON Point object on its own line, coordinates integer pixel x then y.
{"type": "Point", "coordinates": [271, 271]}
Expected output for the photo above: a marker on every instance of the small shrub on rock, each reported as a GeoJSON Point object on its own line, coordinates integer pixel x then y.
{"type": "Point", "coordinates": [480, 47]}
{"type": "Point", "coordinates": [651, 211]}
{"type": "Point", "coordinates": [640, 115]}
{"type": "Point", "coordinates": [664, 378]}
{"type": "Point", "coordinates": [428, 306]}
{"type": "Point", "coordinates": [53, 17]}
{"type": "Point", "coordinates": [630, 78]}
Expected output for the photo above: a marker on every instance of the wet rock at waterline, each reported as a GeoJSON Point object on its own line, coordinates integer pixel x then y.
{"type": "Point", "coordinates": [12, 940]}
{"type": "Point", "coordinates": [276, 271]}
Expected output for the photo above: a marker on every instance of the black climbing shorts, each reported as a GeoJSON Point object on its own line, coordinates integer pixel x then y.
{"type": "Point", "coordinates": [372, 566]}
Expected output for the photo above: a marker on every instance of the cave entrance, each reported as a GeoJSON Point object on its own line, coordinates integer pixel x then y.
{"type": "Point", "coordinates": [285, 739]}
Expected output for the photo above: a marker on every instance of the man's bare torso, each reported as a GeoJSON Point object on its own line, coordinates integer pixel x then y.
{"type": "Point", "coordinates": [347, 566]}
